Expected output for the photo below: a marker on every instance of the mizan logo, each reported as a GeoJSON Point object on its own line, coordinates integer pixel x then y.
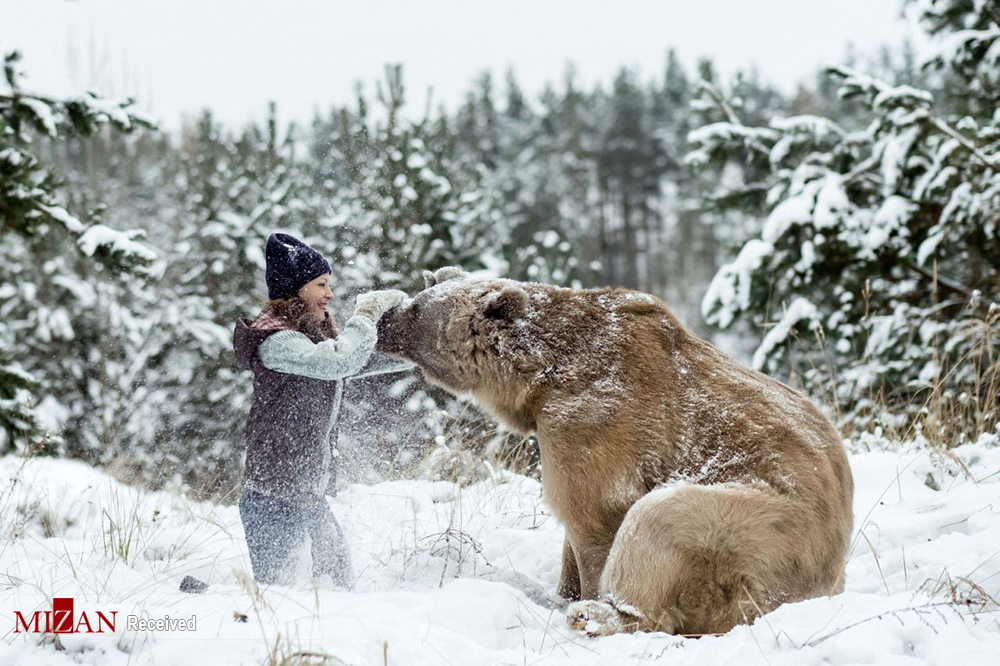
{"type": "Point", "coordinates": [60, 620]}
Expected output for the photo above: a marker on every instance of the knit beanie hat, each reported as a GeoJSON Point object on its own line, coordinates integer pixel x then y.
{"type": "Point", "coordinates": [290, 265]}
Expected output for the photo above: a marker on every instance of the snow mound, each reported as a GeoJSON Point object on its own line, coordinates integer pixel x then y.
{"type": "Point", "coordinates": [448, 574]}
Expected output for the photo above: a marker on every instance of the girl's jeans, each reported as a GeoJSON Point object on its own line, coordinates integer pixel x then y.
{"type": "Point", "coordinates": [275, 529]}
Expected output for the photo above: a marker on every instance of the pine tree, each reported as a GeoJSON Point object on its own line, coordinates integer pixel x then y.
{"type": "Point", "coordinates": [49, 258]}
{"type": "Point", "coordinates": [880, 252]}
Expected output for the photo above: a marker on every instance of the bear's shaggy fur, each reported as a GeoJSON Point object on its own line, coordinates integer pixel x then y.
{"type": "Point", "coordinates": [696, 493]}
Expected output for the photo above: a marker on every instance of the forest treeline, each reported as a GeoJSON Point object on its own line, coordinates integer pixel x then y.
{"type": "Point", "coordinates": [843, 237]}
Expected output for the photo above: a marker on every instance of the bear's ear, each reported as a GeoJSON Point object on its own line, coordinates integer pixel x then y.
{"type": "Point", "coordinates": [508, 304]}
{"type": "Point", "coordinates": [442, 275]}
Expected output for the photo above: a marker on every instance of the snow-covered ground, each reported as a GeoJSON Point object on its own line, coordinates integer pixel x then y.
{"type": "Point", "coordinates": [450, 575]}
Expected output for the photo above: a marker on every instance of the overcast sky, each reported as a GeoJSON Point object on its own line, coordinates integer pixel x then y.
{"type": "Point", "coordinates": [232, 56]}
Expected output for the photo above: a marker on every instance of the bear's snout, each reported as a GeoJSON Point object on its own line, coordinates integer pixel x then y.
{"type": "Point", "coordinates": [390, 335]}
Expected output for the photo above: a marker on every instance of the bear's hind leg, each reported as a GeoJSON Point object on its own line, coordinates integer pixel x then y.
{"type": "Point", "coordinates": [693, 559]}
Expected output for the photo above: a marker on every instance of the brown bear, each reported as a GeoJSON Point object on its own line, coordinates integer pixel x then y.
{"type": "Point", "coordinates": [696, 493]}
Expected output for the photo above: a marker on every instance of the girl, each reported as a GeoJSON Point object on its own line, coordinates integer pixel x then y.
{"type": "Point", "coordinates": [299, 362]}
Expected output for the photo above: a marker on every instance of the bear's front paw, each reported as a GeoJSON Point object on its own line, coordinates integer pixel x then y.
{"type": "Point", "coordinates": [597, 618]}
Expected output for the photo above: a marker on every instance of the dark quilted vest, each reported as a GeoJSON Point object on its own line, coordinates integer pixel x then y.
{"type": "Point", "coordinates": [287, 426]}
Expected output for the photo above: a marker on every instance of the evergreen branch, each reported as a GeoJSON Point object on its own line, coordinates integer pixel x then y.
{"type": "Point", "coordinates": [82, 109]}
{"type": "Point", "coordinates": [947, 283]}
{"type": "Point", "coordinates": [724, 198]}
{"type": "Point", "coordinates": [994, 14]}
{"type": "Point", "coordinates": [720, 100]}
{"type": "Point", "coordinates": [856, 83]}
{"type": "Point", "coordinates": [971, 147]}
{"type": "Point", "coordinates": [862, 167]}
{"type": "Point", "coordinates": [10, 99]}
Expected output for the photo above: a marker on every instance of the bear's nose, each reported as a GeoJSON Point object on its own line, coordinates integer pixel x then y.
{"type": "Point", "coordinates": [388, 332]}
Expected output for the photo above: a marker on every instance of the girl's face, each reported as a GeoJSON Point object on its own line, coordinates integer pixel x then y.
{"type": "Point", "coordinates": [317, 295]}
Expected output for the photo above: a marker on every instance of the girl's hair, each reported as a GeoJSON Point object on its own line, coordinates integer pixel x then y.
{"type": "Point", "coordinates": [296, 312]}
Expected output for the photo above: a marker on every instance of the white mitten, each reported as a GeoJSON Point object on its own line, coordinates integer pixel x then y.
{"type": "Point", "coordinates": [375, 303]}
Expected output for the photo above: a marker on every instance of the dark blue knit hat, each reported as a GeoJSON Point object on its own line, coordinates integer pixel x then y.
{"type": "Point", "coordinates": [290, 265]}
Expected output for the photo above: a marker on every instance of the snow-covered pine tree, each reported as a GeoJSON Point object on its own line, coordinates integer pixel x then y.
{"type": "Point", "coordinates": [424, 221]}
{"type": "Point", "coordinates": [48, 256]}
{"type": "Point", "coordinates": [877, 270]}
{"type": "Point", "coordinates": [524, 183]}
{"type": "Point", "coordinates": [700, 231]}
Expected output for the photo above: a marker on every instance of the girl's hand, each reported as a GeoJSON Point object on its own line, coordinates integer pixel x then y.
{"type": "Point", "coordinates": [376, 303]}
